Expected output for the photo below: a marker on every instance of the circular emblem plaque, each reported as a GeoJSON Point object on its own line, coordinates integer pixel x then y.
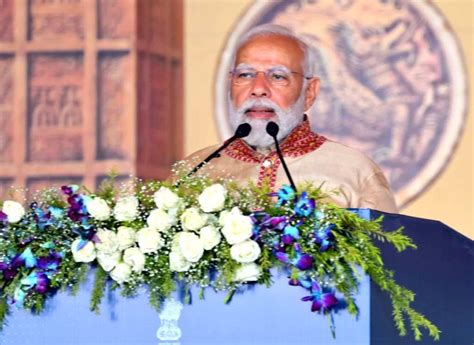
{"type": "Point", "coordinates": [392, 81]}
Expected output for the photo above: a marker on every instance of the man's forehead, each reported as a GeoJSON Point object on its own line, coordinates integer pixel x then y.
{"type": "Point", "coordinates": [271, 50]}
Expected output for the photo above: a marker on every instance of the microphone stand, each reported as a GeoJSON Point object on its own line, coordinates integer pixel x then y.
{"type": "Point", "coordinates": [272, 130]}
{"type": "Point", "coordinates": [242, 131]}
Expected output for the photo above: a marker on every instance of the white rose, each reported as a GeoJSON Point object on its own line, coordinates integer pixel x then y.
{"type": "Point", "coordinates": [245, 252]}
{"type": "Point", "coordinates": [210, 237]}
{"type": "Point", "coordinates": [85, 254]}
{"type": "Point", "coordinates": [149, 240]}
{"type": "Point", "coordinates": [108, 260]}
{"type": "Point", "coordinates": [126, 237]}
{"type": "Point", "coordinates": [166, 199]}
{"type": "Point", "coordinates": [237, 228]}
{"type": "Point", "coordinates": [134, 258]}
{"type": "Point", "coordinates": [108, 242]}
{"type": "Point", "coordinates": [126, 209]}
{"type": "Point", "coordinates": [159, 220]}
{"type": "Point", "coordinates": [178, 262]}
{"type": "Point", "coordinates": [13, 210]}
{"type": "Point", "coordinates": [193, 219]}
{"type": "Point", "coordinates": [247, 273]}
{"type": "Point", "coordinates": [121, 273]}
{"type": "Point", "coordinates": [212, 199]}
{"type": "Point", "coordinates": [191, 246]}
{"type": "Point", "coordinates": [223, 215]}
{"type": "Point", "coordinates": [98, 208]}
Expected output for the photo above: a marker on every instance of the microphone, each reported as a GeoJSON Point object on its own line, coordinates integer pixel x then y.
{"type": "Point", "coordinates": [272, 130]}
{"type": "Point", "coordinates": [242, 131]}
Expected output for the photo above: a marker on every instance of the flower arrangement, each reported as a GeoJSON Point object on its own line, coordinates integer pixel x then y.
{"type": "Point", "coordinates": [199, 233]}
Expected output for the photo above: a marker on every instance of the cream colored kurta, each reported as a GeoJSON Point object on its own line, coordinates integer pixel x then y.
{"type": "Point", "coordinates": [349, 177]}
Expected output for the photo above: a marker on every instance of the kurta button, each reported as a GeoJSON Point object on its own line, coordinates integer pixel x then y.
{"type": "Point", "coordinates": [267, 163]}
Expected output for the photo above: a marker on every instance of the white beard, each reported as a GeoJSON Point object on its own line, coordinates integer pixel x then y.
{"type": "Point", "coordinates": [287, 120]}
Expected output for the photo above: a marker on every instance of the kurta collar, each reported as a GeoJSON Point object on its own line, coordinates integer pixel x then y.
{"type": "Point", "coordinates": [300, 141]}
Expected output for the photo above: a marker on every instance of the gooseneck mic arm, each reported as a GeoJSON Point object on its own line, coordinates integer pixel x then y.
{"type": "Point", "coordinates": [242, 131]}
{"type": "Point", "coordinates": [272, 130]}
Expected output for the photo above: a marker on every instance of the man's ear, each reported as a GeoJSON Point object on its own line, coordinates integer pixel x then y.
{"type": "Point", "coordinates": [311, 92]}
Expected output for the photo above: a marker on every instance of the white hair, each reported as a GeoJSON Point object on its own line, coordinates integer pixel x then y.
{"type": "Point", "coordinates": [309, 60]}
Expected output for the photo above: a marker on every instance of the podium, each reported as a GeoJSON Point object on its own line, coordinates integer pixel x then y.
{"type": "Point", "coordinates": [440, 272]}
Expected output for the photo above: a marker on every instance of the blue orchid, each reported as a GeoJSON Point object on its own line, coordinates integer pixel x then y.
{"type": "Point", "coordinates": [285, 194]}
{"type": "Point", "coordinates": [305, 205]}
{"type": "Point", "coordinates": [324, 237]}
{"type": "Point", "coordinates": [323, 300]}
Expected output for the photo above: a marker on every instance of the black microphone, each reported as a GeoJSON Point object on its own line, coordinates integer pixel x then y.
{"type": "Point", "coordinates": [241, 132]}
{"type": "Point", "coordinates": [272, 130]}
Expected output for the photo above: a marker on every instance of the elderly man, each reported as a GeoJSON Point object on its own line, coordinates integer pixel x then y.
{"type": "Point", "coordinates": [272, 80]}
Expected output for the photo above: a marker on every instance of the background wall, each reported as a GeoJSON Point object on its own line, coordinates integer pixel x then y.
{"type": "Point", "coordinates": [450, 198]}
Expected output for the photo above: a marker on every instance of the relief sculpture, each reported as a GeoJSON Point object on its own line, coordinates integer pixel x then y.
{"type": "Point", "coordinates": [55, 107]}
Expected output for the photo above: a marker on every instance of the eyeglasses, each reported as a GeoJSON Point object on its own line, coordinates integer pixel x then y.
{"type": "Point", "coordinates": [275, 76]}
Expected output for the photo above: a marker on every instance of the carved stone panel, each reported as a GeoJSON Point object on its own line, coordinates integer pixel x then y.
{"type": "Point", "coordinates": [55, 115]}
{"type": "Point", "coordinates": [114, 19]}
{"type": "Point", "coordinates": [114, 94]}
{"type": "Point", "coordinates": [6, 108]}
{"type": "Point", "coordinates": [6, 20]}
{"type": "Point", "coordinates": [56, 19]}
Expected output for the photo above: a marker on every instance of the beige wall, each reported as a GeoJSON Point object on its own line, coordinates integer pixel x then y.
{"type": "Point", "coordinates": [449, 199]}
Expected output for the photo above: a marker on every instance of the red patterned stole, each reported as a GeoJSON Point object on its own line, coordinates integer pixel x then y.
{"type": "Point", "coordinates": [299, 142]}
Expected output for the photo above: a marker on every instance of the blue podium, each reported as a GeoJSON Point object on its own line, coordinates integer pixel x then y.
{"type": "Point", "coordinates": [440, 272]}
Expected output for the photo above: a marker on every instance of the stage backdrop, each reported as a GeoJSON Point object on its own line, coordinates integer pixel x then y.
{"type": "Point", "coordinates": [418, 91]}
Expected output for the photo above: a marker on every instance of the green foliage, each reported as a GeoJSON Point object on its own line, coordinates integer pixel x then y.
{"type": "Point", "coordinates": [352, 251]}
{"type": "Point", "coordinates": [4, 311]}
{"type": "Point", "coordinates": [98, 290]}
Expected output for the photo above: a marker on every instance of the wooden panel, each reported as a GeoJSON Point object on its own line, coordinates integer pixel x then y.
{"type": "Point", "coordinates": [176, 27]}
{"type": "Point", "coordinates": [6, 20]}
{"type": "Point", "coordinates": [113, 110]}
{"type": "Point", "coordinates": [160, 18]}
{"type": "Point", "coordinates": [56, 19]}
{"type": "Point", "coordinates": [6, 108]}
{"type": "Point", "coordinates": [55, 116]}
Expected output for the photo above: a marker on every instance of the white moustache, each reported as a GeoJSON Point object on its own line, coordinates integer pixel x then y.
{"type": "Point", "coordinates": [258, 103]}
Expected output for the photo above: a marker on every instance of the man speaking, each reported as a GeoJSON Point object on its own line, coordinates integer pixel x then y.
{"type": "Point", "coordinates": [273, 80]}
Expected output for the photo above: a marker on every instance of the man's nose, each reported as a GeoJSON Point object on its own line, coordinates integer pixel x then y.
{"type": "Point", "coordinates": [260, 86]}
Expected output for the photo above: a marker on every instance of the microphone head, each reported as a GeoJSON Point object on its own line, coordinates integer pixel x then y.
{"type": "Point", "coordinates": [243, 130]}
{"type": "Point", "coordinates": [272, 129]}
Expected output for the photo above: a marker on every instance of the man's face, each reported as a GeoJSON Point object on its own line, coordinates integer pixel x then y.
{"type": "Point", "coordinates": [260, 101]}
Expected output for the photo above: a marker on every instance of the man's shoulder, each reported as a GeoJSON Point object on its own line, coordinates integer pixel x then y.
{"type": "Point", "coordinates": [200, 155]}
{"type": "Point", "coordinates": [343, 150]}
{"type": "Point", "coordinates": [341, 154]}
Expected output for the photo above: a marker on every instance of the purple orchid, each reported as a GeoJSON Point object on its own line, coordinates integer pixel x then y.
{"type": "Point", "coordinates": [78, 213]}
{"type": "Point", "coordinates": [264, 224]}
{"type": "Point", "coordinates": [305, 205]}
{"type": "Point", "coordinates": [49, 263]}
{"type": "Point", "coordinates": [324, 237]}
{"type": "Point", "coordinates": [8, 270]}
{"type": "Point", "coordinates": [300, 260]}
{"type": "Point", "coordinates": [323, 299]}
{"type": "Point", "coordinates": [3, 216]}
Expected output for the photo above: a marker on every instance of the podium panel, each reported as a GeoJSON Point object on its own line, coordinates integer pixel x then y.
{"type": "Point", "coordinates": [260, 315]}
{"type": "Point", "coordinates": [440, 272]}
